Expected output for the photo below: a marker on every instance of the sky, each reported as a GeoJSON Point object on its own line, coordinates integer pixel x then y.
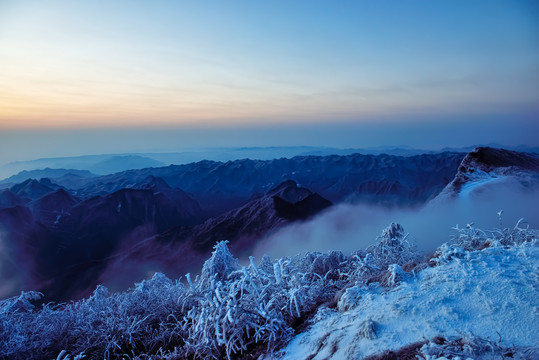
{"type": "Point", "coordinates": [91, 77]}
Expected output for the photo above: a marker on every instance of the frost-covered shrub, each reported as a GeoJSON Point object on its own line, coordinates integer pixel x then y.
{"type": "Point", "coordinates": [240, 308]}
{"type": "Point", "coordinates": [393, 247]}
{"type": "Point", "coordinates": [470, 238]}
{"type": "Point", "coordinates": [225, 312]}
{"type": "Point", "coordinates": [229, 311]}
{"type": "Point", "coordinates": [102, 326]}
{"type": "Point", "coordinates": [23, 302]}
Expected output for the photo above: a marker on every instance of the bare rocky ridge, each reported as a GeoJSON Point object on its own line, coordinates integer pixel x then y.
{"type": "Point", "coordinates": [486, 165]}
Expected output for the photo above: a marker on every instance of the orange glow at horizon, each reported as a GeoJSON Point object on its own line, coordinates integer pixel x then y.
{"type": "Point", "coordinates": [117, 64]}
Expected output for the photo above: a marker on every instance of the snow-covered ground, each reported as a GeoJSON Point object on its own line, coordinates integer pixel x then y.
{"type": "Point", "coordinates": [476, 297]}
{"type": "Point", "coordinates": [491, 294]}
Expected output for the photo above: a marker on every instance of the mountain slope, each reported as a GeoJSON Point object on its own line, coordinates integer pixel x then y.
{"type": "Point", "coordinates": [84, 235]}
{"type": "Point", "coordinates": [242, 227]}
{"type": "Point", "coordinates": [486, 167]}
{"type": "Point", "coordinates": [21, 239]}
{"type": "Point", "coordinates": [50, 208]}
{"type": "Point", "coordinates": [9, 199]}
{"type": "Point", "coordinates": [33, 189]}
{"type": "Point", "coordinates": [45, 173]}
{"type": "Point", "coordinates": [286, 202]}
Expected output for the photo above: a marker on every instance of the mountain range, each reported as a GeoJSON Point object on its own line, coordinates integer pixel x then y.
{"type": "Point", "coordinates": [112, 163]}
{"type": "Point", "coordinates": [75, 230]}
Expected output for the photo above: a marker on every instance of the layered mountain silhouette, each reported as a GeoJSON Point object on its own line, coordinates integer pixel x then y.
{"type": "Point", "coordinates": [66, 233]}
{"type": "Point", "coordinates": [184, 249]}
{"type": "Point", "coordinates": [63, 174]}
{"type": "Point", "coordinates": [83, 229]}
{"type": "Point", "coordinates": [32, 189]}
{"type": "Point", "coordinates": [218, 187]}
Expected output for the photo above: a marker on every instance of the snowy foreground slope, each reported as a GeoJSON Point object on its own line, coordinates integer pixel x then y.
{"type": "Point", "coordinates": [490, 294]}
{"type": "Point", "coordinates": [475, 297]}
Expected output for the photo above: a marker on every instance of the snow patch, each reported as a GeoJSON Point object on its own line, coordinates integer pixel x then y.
{"type": "Point", "coordinates": [490, 294]}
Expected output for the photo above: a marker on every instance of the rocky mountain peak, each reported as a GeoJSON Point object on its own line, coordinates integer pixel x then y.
{"type": "Point", "coordinates": [487, 159]}
{"type": "Point", "coordinates": [290, 191]}
{"type": "Point", "coordinates": [486, 165]}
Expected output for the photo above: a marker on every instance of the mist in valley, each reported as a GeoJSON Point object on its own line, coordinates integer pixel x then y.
{"type": "Point", "coordinates": [347, 227]}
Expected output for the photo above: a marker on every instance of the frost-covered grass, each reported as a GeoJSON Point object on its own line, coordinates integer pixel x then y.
{"type": "Point", "coordinates": [229, 311]}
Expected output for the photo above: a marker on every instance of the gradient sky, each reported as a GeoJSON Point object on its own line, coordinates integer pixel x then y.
{"type": "Point", "coordinates": [259, 73]}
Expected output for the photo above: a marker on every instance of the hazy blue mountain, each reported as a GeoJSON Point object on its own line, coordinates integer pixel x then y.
{"type": "Point", "coordinates": [9, 199]}
{"type": "Point", "coordinates": [111, 163]}
{"type": "Point", "coordinates": [33, 189]}
{"type": "Point", "coordinates": [98, 164]}
{"type": "Point", "coordinates": [46, 173]}
{"type": "Point", "coordinates": [118, 163]}
{"type": "Point", "coordinates": [221, 186]}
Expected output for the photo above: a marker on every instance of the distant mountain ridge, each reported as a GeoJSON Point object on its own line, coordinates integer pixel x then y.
{"type": "Point", "coordinates": [97, 164]}
{"type": "Point", "coordinates": [112, 163]}
{"type": "Point", "coordinates": [80, 222]}
{"type": "Point", "coordinates": [169, 217]}
{"type": "Point", "coordinates": [45, 173]}
{"type": "Point", "coordinates": [222, 186]}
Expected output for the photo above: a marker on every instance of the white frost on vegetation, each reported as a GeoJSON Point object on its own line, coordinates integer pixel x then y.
{"type": "Point", "coordinates": [490, 294]}
{"type": "Point", "coordinates": [480, 288]}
